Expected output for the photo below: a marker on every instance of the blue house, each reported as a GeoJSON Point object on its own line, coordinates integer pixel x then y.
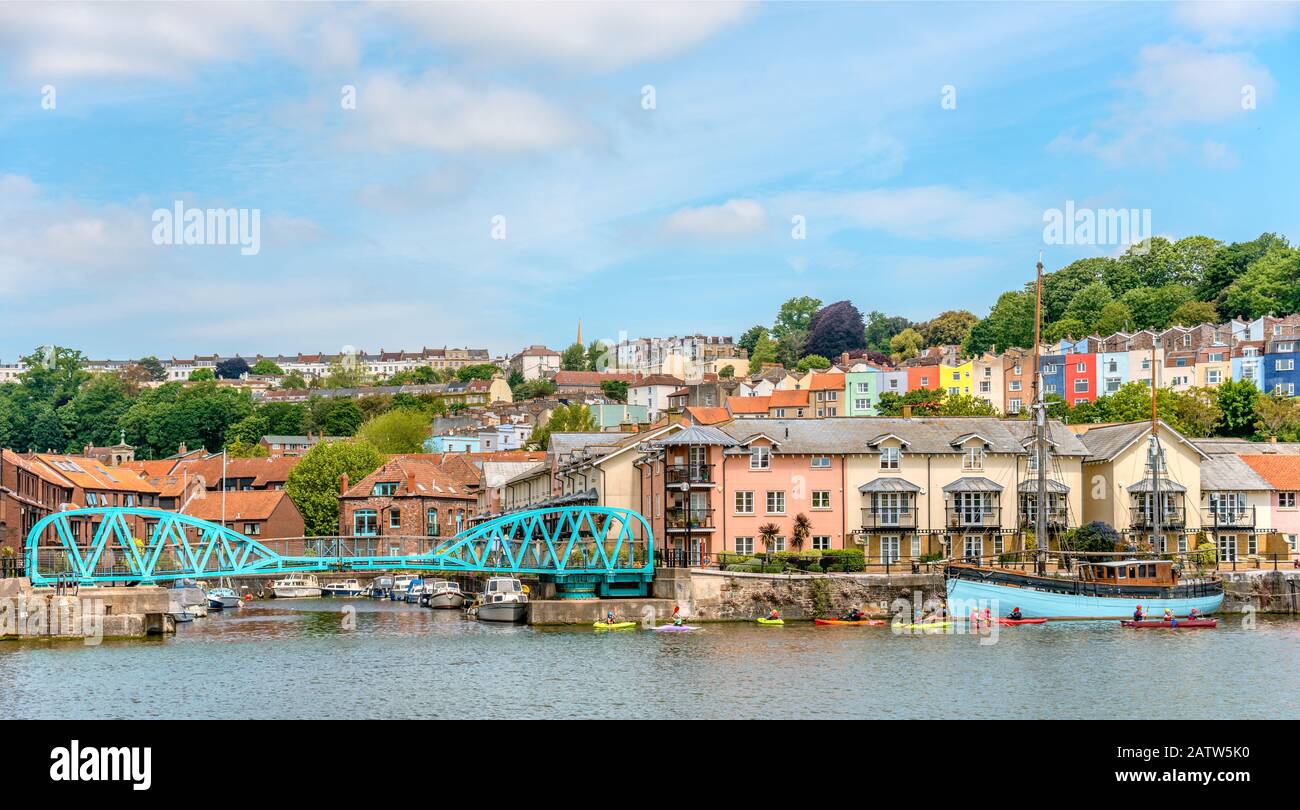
{"type": "Point", "coordinates": [1052, 367]}
{"type": "Point", "coordinates": [1282, 366]}
{"type": "Point", "coordinates": [451, 444]}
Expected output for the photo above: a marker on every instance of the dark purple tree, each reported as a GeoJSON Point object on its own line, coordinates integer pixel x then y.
{"type": "Point", "coordinates": [232, 369]}
{"type": "Point", "coordinates": [834, 329]}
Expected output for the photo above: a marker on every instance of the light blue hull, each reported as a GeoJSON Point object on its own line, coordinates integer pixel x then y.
{"type": "Point", "coordinates": [1000, 599]}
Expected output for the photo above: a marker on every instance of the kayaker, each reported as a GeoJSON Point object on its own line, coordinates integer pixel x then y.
{"type": "Point", "coordinates": [1191, 614]}
{"type": "Point", "coordinates": [854, 615]}
{"type": "Point", "coordinates": [609, 616]}
{"type": "Point", "coordinates": [1137, 613]}
{"type": "Point", "coordinates": [1171, 618]}
{"type": "Point", "coordinates": [677, 615]}
{"type": "Point", "coordinates": [1015, 614]}
{"type": "Point", "coordinates": [986, 616]}
{"type": "Point", "coordinates": [773, 616]}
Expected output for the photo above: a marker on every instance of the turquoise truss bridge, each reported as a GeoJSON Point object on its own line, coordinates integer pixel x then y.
{"type": "Point", "coordinates": [585, 550]}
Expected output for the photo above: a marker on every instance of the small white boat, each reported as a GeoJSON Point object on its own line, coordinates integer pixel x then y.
{"type": "Point", "coordinates": [343, 588]}
{"type": "Point", "coordinates": [296, 586]}
{"type": "Point", "coordinates": [223, 599]}
{"type": "Point", "coordinates": [401, 583]}
{"type": "Point", "coordinates": [187, 597]}
{"type": "Point", "coordinates": [444, 594]}
{"type": "Point", "coordinates": [380, 587]}
{"type": "Point", "coordinates": [503, 600]}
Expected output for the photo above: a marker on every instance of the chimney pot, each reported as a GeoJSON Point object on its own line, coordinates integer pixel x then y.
{"type": "Point", "coordinates": [343, 484]}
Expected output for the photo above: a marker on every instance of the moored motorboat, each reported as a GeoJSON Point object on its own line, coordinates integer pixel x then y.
{"type": "Point", "coordinates": [442, 594]}
{"type": "Point", "coordinates": [187, 596]}
{"type": "Point", "coordinates": [401, 583]}
{"type": "Point", "coordinates": [296, 586]}
{"type": "Point", "coordinates": [413, 591]}
{"type": "Point", "coordinates": [503, 600]}
{"type": "Point", "coordinates": [343, 588]}
{"type": "Point", "coordinates": [380, 587]}
{"type": "Point", "coordinates": [223, 599]}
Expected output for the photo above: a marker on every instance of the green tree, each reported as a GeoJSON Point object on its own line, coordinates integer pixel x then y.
{"type": "Point", "coordinates": [1093, 537]}
{"type": "Point", "coordinates": [1195, 313]}
{"type": "Point", "coordinates": [966, 405]}
{"type": "Point", "coordinates": [795, 315]}
{"type": "Point", "coordinates": [54, 375]}
{"type": "Point", "coordinates": [1197, 412]}
{"type": "Point", "coordinates": [614, 389]}
{"type": "Point", "coordinates": [948, 328]}
{"type": "Point", "coordinates": [534, 389]}
{"type": "Point", "coordinates": [790, 347]}
{"type": "Point", "coordinates": [345, 372]}
{"type": "Point", "coordinates": [1154, 307]}
{"type": "Point", "coordinates": [293, 381]}
{"type": "Point", "coordinates": [1271, 285]}
{"type": "Point", "coordinates": [91, 417]}
{"type": "Point", "coordinates": [1278, 417]}
{"type": "Point", "coordinates": [1010, 324]}
{"type": "Point", "coordinates": [764, 351]}
{"type": "Point", "coordinates": [334, 416]}
{"type": "Point", "coordinates": [906, 345]}
{"type": "Point", "coordinates": [233, 368]}
{"type": "Point", "coordinates": [198, 415]}
{"type": "Point", "coordinates": [813, 361]}
{"type": "Point", "coordinates": [598, 356]}
{"type": "Point", "coordinates": [47, 432]}
{"type": "Point", "coordinates": [727, 372]}
{"type": "Point", "coordinates": [1237, 401]}
{"type": "Point", "coordinates": [1231, 262]}
{"type": "Point", "coordinates": [750, 339]}
{"type": "Point", "coordinates": [1060, 287]}
{"type": "Point", "coordinates": [239, 448]}
{"type": "Point", "coordinates": [1114, 317]}
{"type": "Point", "coordinates": [880, 328]}
{"type": "Point", "coordinates": [397, 431]}
{"type": "Point", "coordinates": [1065, 328]}
{"type": "Point", "coordinates": [1088, 305]}
{"type": "Point", "coordinates": [515, 380]}
{"type": "Point", "coordinates": [572, 418]}
{"type": "Point", "coordinates": [574, 358]}
{"type": "Point", "coordinates": [153, 368]}
{"type": "Point", "coordinates": [313, 484]}
{"type": "Point", "coordinates": [477, 371]}
{"type": "Point", "coordinates": [268, 368]}
{"type": "Point", "coordinates": [202, 375]}
{"type": "Point", "coordinates": [922, 401]}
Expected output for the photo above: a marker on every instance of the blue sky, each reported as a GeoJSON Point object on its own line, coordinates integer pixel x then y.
{"type": "Point", "coordinates": [377, 222]}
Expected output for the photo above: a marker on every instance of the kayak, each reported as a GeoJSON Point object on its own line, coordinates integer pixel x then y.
{"type": "Point", "coordinates": [1181, 623]}
{"type": "Point", "coordinates": [922, 626]}
{"type": "Point", "coordinates": [614, 626]}
{"type": "Point", "coordinates": [864, 622]}
{"type": "Point", "coordinates": [1022, 621]}
{"type": "Point", "coordinates": [675, 628]}
{"type": "Point", "coordinates": [771, 622]}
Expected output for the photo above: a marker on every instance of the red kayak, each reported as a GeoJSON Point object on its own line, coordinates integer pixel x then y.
{"type": "Point", "coordinates": [870, 622]}
{"type": "Point", "coordinates": [1022, 621]}
{"type": "Point", "coordinates": [1181, 623]}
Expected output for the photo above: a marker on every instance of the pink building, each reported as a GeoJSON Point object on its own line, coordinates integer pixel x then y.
{"type": "Point", "coordinates": [1282, 472]}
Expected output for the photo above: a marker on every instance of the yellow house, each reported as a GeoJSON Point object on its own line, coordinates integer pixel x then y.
{"type": "Point", "coordinates": [956, 379]}
{"type": "Point", "coordinates": [1120, 488]}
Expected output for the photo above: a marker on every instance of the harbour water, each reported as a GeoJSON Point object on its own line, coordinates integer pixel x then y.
{"type": "Point", "coordinates": [360, 658]}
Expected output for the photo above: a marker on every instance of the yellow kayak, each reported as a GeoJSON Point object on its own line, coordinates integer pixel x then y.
{"type": "Point", "coordinates": [771, 622]}
{"type": "Point", "coordinates": [613, 626]}
{"type": "Point", "coordinates": [922, 626]}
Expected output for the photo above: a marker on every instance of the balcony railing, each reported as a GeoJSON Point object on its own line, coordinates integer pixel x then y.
{"type": "Point", "coordinates": [681, 519]}
{"type": "Point", "coordinates": [689, 474]}
{"type": "Point", "coordinates": [1058, 517]}
{"type": "Point", "coordinates": [1170, 517]}
{"type": "Point", "coordinates": [967, 517]}
{"type": "Point", "coordinates": [1242, 517]}
{"type": "Point", "coordinates": [902, 517]}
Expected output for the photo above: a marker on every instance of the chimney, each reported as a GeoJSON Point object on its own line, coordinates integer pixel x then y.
{"type": "Point", "coordinates": [181, 450]}
{"type": "Point", "coordinates": [410, 483]}
{"type": "Point", "coordinates": [343, 484]}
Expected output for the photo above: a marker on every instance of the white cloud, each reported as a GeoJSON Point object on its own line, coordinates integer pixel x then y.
{"type": "Point", "coordinates": [1231, 21]}
{"type": "Point", "coordinates": [1217, 155]}
{"type": "Point", "coordinates": [921, 212]}
{"type": "Point", "coordinates": [605, 36]}
{"type": "Point", "coordinates": [732, 219]}
{"type": "Point", "coordinates": [444, 114]}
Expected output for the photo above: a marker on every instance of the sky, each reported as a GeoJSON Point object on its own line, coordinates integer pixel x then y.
{"type": "Point", "coordinates": [490, 174]}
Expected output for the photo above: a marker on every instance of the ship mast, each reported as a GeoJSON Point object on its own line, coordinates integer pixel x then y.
{"type": "Point", "coordinates": [1040, 428]}
{"type": "Point", "coordinates": [1156, 507]}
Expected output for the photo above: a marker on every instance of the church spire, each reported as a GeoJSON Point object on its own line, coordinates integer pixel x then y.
{"type": "Point", "coordinates": [580, 343]}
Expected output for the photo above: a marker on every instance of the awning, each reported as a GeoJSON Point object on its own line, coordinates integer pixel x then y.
{"type": "Point", "coordinates": [972, 485]}
{"type": "Point", "coordinates": [1052, 486]}
{"type": "Point", "coordinates": [889, 485]}
{"type": "Point", "coordinates": [1165, 486]}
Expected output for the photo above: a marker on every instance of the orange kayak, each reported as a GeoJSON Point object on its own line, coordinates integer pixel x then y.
{"type": "Point", "coordinates": [863, 622]}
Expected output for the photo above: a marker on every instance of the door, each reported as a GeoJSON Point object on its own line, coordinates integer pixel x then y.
{"type": "Point", "coordinates": [1227, 548]}
{"type": "Point", "coordinates": [888, 508]}
{"type": "Point", "coordinates": [974, 546]}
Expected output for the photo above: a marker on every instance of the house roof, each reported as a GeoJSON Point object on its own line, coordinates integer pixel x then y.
{"type": "Point", "coordinates": [89, 473]}
{"type": "Point", "coordinates": [707, 416]}
{"type": "Point", "coordinates": [264, 471]}
{"type": "Point", "coordinates": [792, 398]}
{"type": "Point", "coordinates": [658, 380]}
{"type": "Point", "coordinates": [826, 381]}
{"type": "Point", "coordinates": [590, 379]}
{"type": "Point", "coordinates": [530, 471]}
{"type": "Point", "coordinates": [1166, 485]}
{"type": "Point", "coordinates": [1229, 472]}
{"type": "Point", "coordinates": [1107, 442]}
{"type": "Point", "coordinates": [1281, 472]}
{"type": "Point", "coordinates": [889, 485]}
{"type": "Point", "coordinates": [427, 477]}
{"type": "Point", "coordinates": [698, 435]}
{"type": "Point", "coordinates": [39, 470]}
{"type": "Point", "coordinates": [251, 504]}
{"type": "Point", "coordinates": [1031, 485]}
{"type": "Point", "coordinates": [973, 484]}
{"type": "Point", "coordinates": [931, 435]}
{"type": "Point", "coordinates": [151, 469]}
{"type": "Point", "coordinates": [748, 405]}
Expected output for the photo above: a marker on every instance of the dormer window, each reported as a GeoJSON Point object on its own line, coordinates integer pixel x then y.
{"type": "Point", "coordinates": [890, 458]}
{"type": "Point", "coordinates": [384, 488]}
{"type": "Point", "coordinates": [973, 458]}
{"type": "Point", "coordinates": [760, 458]}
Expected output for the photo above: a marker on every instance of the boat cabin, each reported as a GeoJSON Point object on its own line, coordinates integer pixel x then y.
{"type": "Point", "coordinates": [1130, 572]}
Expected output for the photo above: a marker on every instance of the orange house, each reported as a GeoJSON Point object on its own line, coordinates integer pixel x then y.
{"type": "Point", "coordinates": [919, 377]}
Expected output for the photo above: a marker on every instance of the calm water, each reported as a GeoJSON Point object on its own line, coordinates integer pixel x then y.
{"type": "Point", "coordinates": [293, 659]}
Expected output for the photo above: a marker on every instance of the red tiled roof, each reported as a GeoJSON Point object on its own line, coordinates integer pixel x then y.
{"type": "Point", "coordinates": [249, 504]}
{"type": "Point", "coordinates": [1281, 472]}
{"type": "Point", "coordinates": [263, 471]}
{"type": "Point", "coordinates": [746, 405]}
{"type": "Point", "coordinates": [39, 470]}
{"type": "Point", "coordinates": [591, 379]}
{"type": "Point", "coordinates": [710, 416]}
{"type": "Point", "coordinates": [89, 473]}
{"type": "Point", "coordinates": [827, 382]}
{"type": "Point", "coordinates": [658, 379]}
{"type": "Point", "coordinates": [430, 479]}
{"type": "Point", "coordinates": [789, 399]}
{"type": "Point", "coordinates": [151, 468]}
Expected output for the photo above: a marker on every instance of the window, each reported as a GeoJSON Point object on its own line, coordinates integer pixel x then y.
{"type": "Point", "coordinates": [778, 544]}
{"type": "Point", "coordinates": [1080, 400]}
{"type": "Point", "coordinates": [1081, 386]}
{"type": "Point", "coordinates": [1016, 370]}
{"type": "Point", "coordinates": [861, 404]}
{"type": "Point", "coordinates": [1080, 367]}
{"type": "Point", "coordinates": [1049, 388]}
{"type": "Point", "coordinates": [864, 388]}
{"type": "Point", "coordinates": [776, 502]}
{"type": "Point", "coordinates": [1182, 543]}
{"type": "Point", "coordinates": [431, 518]}
{"type": "Point", "coordinates": [1015, 385]}
{"type": "Point", "coordinates": [889, 458]}
{"type": "Point", "coordinates": [1213, 376]}
{"type": "Point", "coordinates": [394, 518]}
{"type": "Point", "coordinates": [916, 547]}
{"type": "Point", "coordinates": [1013, 406]}
{"type": "Point", "coordinates": [760, 458]}
{"type": "Point", "coordinates": [745, 545]}
{"type": "Point", "coordinates": [384, 488]}
{"type": "Point", "coordinates": [1286, 500]}
{"type": "Point", "coordinates": [365, 522]}
{"type": "Point", "coordinates": [779, 413]}
{"type": "Point", "coordinates": [252, 528]}
{"type": "Point", "coordinates": [973, 458]}
{"type": "Point", "coordinates": [1216, 357]}
{"type": "Point", "coordinates": [832, 411]}
{"type": "Point", "coordinates": [1252, 544]}
{"type": "Point", "coordinates": [997, 544]}
{"type": "Point", "coordinates": [956, 376]}
{"type": "Point", "coordinates": [821, 542]}
{"type": "Point", "coordinates": [985, 386]}
{"type": "Point", "coordinates": [1284, 365]}
{"type": "Point", "coordinates": [889, 549]}
{"type": "Point", "coordinates": [925, 381]}
{"type": "Point", "coordinates": [1228, 548]}
{"type": "Point", "coordinates": [821, 499]}
{"type": "Point", "coordinates": [745, 502]}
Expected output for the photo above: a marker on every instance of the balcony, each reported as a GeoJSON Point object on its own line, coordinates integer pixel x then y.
{"type": "Point", "coordinates": [973, 517]}
{"type": "Point", "coordinates": [679, 519]}
{"type": "Point", "coordinates": [1172, 517]}
{"type": "Point", "coordinates": [1241, 517]}
{"type": "Point", "coordinates": [899, 517]}
{"type": "Point", "coordinates": [1058, 517]}
{"type": "Point", "coordinates": [689, 474]}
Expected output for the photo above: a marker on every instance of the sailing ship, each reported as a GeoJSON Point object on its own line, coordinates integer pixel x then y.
{"type": "Point", "coordinates": [1099, 589]}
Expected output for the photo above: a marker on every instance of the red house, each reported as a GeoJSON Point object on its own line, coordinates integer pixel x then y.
{"type": "Point", "coordinates": [1080, 378]}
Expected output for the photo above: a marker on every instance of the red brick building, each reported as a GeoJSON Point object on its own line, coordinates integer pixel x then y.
{"type": "Point", "coordinates": [259, 514]}
{"type": "Point", "coordinates": [410, 496]}
{"type": "Point", "coordinates": [28, 492]}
